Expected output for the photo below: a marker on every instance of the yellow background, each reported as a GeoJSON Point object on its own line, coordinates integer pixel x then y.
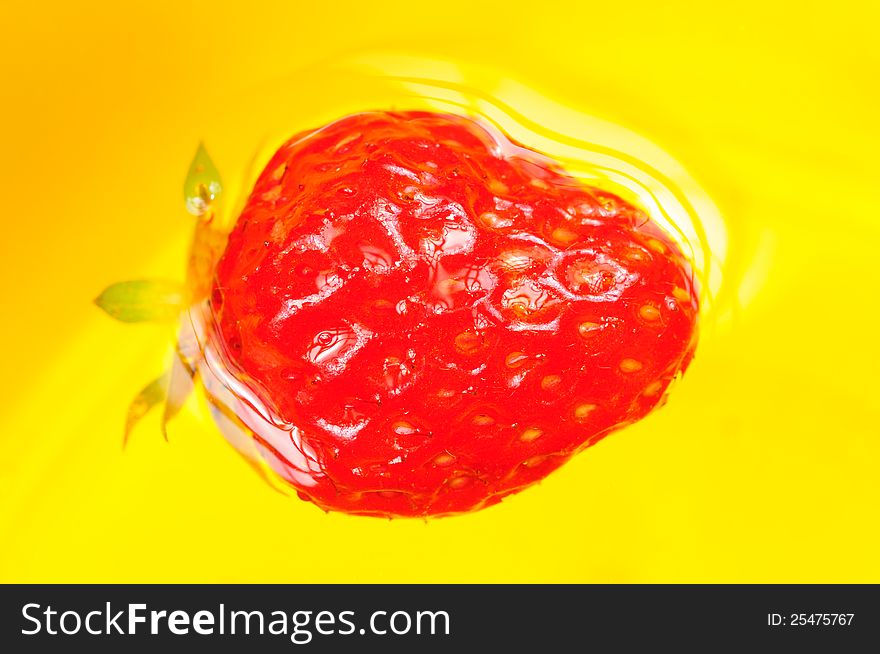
{"type": "Point", "coordinates": [762, 468]}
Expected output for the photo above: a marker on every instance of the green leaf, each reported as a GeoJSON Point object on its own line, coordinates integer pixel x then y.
{"type": "Point", "coordinates": [203, 185]}
{"type": "Point", "coordinates": [152, 394]}
{"type": "Point", "coordinates": [180, 386]}
{"type": "Point", "coordinates": [142, 300]}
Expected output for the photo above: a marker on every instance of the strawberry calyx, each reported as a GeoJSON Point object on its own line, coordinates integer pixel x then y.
{"type": "Point", "coordinates": [155, 300]}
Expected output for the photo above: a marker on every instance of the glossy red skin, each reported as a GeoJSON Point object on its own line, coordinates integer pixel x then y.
{"type": "Point", "coordinates": [369, 299]}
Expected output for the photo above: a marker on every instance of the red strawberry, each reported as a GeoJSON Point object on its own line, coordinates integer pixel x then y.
{"type": "Point", "coordinates": [437, 317]}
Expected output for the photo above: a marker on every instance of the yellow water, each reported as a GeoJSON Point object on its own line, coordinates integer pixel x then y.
{"type": "Point", "coordinates": [756, 148]}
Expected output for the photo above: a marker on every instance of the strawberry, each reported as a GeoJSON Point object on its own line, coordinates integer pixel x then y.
{"type": "Point", "coordinates": [435, 316]}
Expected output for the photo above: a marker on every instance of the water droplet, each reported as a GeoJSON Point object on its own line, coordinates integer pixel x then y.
{"type": "Point", "coordinates": [333, 347]}
{"type": "Point", "coordinates": [526, 298]}
{"type": "Point", "coordinates": [591, 275]}
{"type": "Point", "coordinates": [593, 280]}
{"type": "Point", "coordinates": [456, 234]}
{"type": "Point", "coordinates": [376, 259]}
{"type": "Point", "coordinates": [202, 187]}
{"type": "Point", "coordinates": [397, 372]}
{"type": "Point", "coordinates": [478, 278]}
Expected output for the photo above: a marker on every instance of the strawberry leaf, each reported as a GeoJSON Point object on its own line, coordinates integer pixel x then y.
{"type": "Point", "coordinates": [203, 185]}
{"type": "Point", "coordinates": [152, 394]}
{"type": "Point", "coordinates": [142, 300]}
{"type": "Point", "coordinates": [180, 385]}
